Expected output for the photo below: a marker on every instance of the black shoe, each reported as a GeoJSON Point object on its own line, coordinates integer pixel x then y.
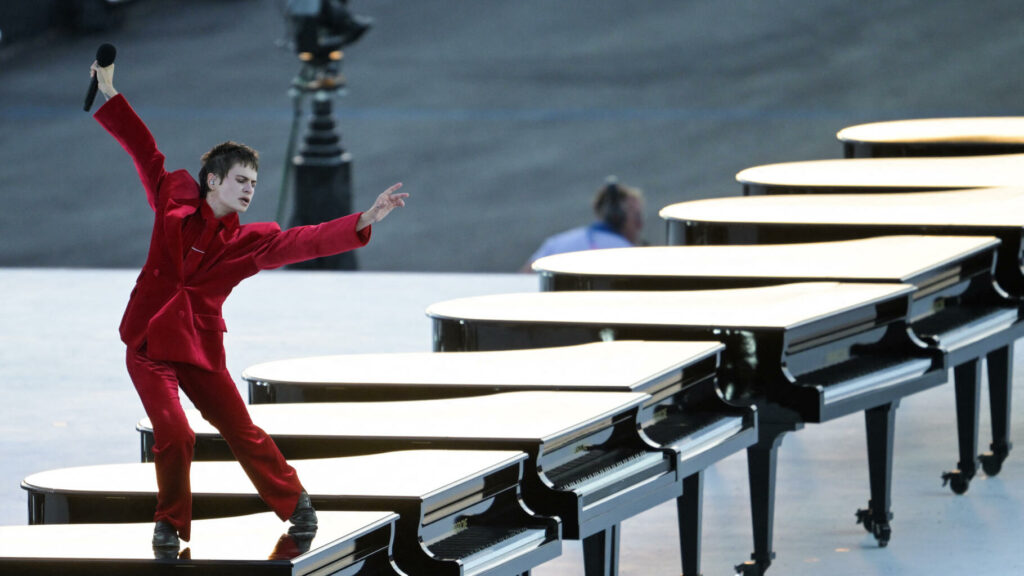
{"type": "Point", "coordinates": [165, 536]}
{"type": "Point", "coordinates": [304, 518]}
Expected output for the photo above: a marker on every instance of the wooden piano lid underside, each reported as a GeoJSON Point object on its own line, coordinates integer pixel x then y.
{"type": "Point", "coordinates": [989, 129]}
{"type": "Point", "coordinates": [620, 365]}
{"type": "Point", "coordinates": [888, 258]}
{"type": "Point", "coordinates": [408, 474]}
{"type": "Point", "coordinates": [252, 537]}
{"type": "Point", "coordinates": [990, 207]}
{"type": "Point", "coordinates": [781, 307]}
{"type": "Point", "coordinates": [531, 417]}
{"type": "Point", "coordinates": [952, 172]}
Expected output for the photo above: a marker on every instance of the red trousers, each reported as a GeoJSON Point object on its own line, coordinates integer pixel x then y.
{"type": "Point", "coordinates": [216, 397]}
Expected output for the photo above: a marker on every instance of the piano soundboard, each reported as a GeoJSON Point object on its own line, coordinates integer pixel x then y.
{"type": "Point", "coordinates": [346, 544]}
{"type": "Point", "coordinates": [460, 512]}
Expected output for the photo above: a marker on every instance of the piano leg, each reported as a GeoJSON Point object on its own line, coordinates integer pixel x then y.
{"type": "Point", "coordinates": [762, 461]}
{"type": "Point", "coordinates": [1000, 385]}
{"type": "Point", "coordinates": [601, 553]}
{"type": "Point", "coordinates": [689, 509]}
{"type": "Point", "coordinates": [966, 378]}
{"type": "Point", "coordinates": [880, 423]}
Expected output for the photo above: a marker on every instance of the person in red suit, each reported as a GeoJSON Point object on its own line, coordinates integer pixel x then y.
{"type": "Point", "coordinates": [173, 327]}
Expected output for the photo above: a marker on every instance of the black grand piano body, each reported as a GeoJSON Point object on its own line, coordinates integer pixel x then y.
{"type": "Point", "coordinates": [591, 467]}
{"type": "Point", "coordinates": [882, 175]}
{"type": "Point", "coordinates": [957, 307]}
{"type": "Point", "coordinates": [929, 137]}
{"type": "Point", "coordinates": [347, 544]}
{"type": "Point", "coordinates": [857, 358]}
{"type": "Point", "coordinates": [991, 212]}
{"type": "Point", "coordinates": [684, 411]}
{"type": "Point", "coordinates": [460, 514]}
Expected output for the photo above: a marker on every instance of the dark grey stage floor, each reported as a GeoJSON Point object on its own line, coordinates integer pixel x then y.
{"type": "Point", "coordinates": [67, 401]}
{"type": "Point", "coordinates": [498, 115]}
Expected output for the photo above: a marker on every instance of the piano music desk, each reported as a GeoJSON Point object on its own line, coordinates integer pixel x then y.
{"type": "Point", "coordinates": [957, 307]}
{"type": "Point", "coordinates": [448, 503]}
{"type": "Point", "coordinates": [859, 175]}
{"type": "Point", "coordinates": [346, 544]}
{"type": "Point", "coordinates": [683, 411]}
{"type": "Point", "coordinates": [588, 463]}
{"type": "Point", "coordinates": [934, 137]}
{"type": "Point", "coordinates": [773, 336]}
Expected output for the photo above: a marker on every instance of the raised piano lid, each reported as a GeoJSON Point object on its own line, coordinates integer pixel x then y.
{"type": "Point", "coordinates": [889, 173]}
{"type": "Point", "coordinates": [979, 207]}
{"type": "Point", "coordinates": [438, 488]}
{"type": "Point", "coordinates": [877, 259]}
{"type": "Point", "coordinates": [508, 420]}
{"type": "Point", "coordinates": [984, 129]}
{"type": "Point", "coordinates": [786, 306]}
{"type": "Point", "coordinates": [626, 366]}
{"type": "Point", "coordinates": [219, 547]}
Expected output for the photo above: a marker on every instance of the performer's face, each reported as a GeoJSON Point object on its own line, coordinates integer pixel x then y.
{"type": "Point", "coordinates": [234, 193]}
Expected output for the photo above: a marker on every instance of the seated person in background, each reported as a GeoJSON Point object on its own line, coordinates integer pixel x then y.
{"type": "Point", "coordinates": [620, 218]}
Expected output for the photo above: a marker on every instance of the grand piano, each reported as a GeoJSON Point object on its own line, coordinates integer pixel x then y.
{"type": "Point", "coordinates": [683, 412]}
{"type": "Point", "coordinates": [957, 307]}
{"type": "Point", "coordinates": [967, 136]}
{"type": "Point", "coordinates": [997, 212]}
{"type": "Point", "coordinates": [588, 463]}
{"type": "Point", "coordinates": [807, 352]}
{"type": "Point", "coordinates": [460, 512]}
{"type": "Point", "coordinates": [858, 175]}
{"type": "Point", "coordinates": [346, 544]}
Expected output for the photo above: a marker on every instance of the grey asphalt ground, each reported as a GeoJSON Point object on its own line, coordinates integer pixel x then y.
{"type": "Point", "coordinates": [501, 117]}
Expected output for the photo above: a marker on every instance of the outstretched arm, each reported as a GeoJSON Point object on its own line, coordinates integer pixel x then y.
{"type": "Point", "coordinates": [382, 206]}
{"type": "Point", "coordinates": [118, 118]}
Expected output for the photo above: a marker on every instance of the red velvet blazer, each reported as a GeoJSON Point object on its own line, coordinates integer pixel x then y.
{"type": "Point", "coordinates": [176, 312]}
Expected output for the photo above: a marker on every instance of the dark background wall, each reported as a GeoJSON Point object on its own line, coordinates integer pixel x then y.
{"type": "Point", "coordinates": [501, 117]}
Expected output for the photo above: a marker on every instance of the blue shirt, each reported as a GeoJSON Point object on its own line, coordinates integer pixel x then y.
{"type": "Point", "coordinates": [597, 235]}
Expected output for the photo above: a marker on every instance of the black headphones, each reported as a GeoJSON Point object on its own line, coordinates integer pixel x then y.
{"type": "Point", "coordinates": [610, 206]}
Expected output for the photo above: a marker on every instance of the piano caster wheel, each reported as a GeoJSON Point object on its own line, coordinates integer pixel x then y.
{"type": "Point", "coordinates": [882, 533]}
{"type": "Point", "coordinates": [753, 567]}
{"type": "Point", "coordinates": [880, 530]}
{"type": "Point", "coordinates": [957, 480]}
{"type": "Point", "coordinates": [992, 464]}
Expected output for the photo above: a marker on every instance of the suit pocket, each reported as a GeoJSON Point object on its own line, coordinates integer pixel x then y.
{"type": "Point", "coordinates": [210, 322]}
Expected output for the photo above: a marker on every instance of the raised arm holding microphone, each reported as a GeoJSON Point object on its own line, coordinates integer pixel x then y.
{"type": "Point", "coordinates": [173, 327]}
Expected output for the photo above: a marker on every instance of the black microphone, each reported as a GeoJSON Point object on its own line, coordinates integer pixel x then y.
{"type": "Point", "coordinates": [105, 55]}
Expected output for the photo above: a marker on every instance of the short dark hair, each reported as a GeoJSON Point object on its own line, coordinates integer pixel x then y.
{"type": "Point", "coordinates": [221, 158]}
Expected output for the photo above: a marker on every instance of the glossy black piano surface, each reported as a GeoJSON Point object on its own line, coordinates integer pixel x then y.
{"type": "Point", "coordinates": [807, 352]}
{"type": "Point", "coordinates": [588, 462]}
{"type": "Point", "coordinates": [460, 512]}
{"type": "Point", "coordinates": [964, 136]}
{"type": "Point", "coordinates": [346, 544]}
{"type": "Point", "coordinates": [683, 412]}
{"type": "Point", "coordinates": [957, 307]}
